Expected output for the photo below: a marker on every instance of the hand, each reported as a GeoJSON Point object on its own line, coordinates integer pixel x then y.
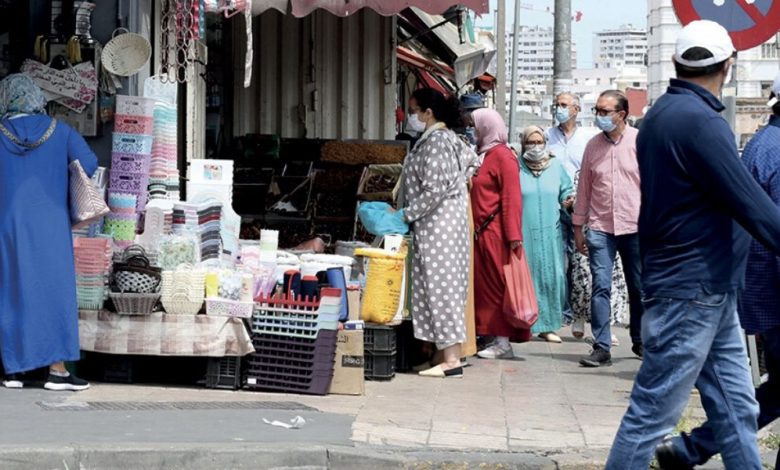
{"type": "Point", "coordinates": [568, 203]}
{"type": "Point", "coordinates": [516, 247]}
{"type": "Point", "coordinates": [579, 240]}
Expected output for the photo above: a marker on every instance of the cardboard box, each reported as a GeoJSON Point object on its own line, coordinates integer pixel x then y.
{"type": "Point", "coordinates": [348, 376]}
{"type": "Point", "coordinates": [353, 299]}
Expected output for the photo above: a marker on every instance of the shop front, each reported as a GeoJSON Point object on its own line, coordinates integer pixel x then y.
{"type": "Point", "coordinates": [238, 140]}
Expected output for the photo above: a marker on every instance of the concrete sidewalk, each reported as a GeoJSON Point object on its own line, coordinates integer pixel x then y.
{"type": "Point", "coordinates": [541, 410]}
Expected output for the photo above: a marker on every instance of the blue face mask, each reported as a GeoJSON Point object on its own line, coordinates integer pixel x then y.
{"type": "Point", "coordinates": [605, 123]}
{"type": "Point", "coordinates": [562, 115]}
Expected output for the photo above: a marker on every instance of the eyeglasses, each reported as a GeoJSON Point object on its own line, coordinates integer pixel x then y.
{"type": "Point", "coordinates": [604, 112]}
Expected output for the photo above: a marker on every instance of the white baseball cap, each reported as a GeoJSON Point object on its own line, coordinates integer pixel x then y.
{"type": "Point", "coordinates": [776, 91]}
{"type": "Point", "coordinates": [707, 35]}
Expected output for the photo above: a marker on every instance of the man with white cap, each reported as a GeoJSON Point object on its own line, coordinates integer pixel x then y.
{"type": "Point", "coordinates": [698, 201]}
{"type": "Point", "coordinates": [759, 304]}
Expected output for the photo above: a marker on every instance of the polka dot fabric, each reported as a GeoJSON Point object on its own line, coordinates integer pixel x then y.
{"type": "Point", "coordinates": [435, 195]}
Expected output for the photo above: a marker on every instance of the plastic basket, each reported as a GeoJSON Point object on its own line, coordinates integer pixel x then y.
{"type": "Point", "coordinates": [130, 124]}
{"type": "Point", "coordinates": [182, 307]}
{"type": "Point", "coordinates": [132, 143]}
{"type": "Point", "coordinates": [134, 304]}
{"type": "Point", "coordinates": [130, 162]}
{"type": "Point", "coordinates": [229, 308]}
{"type": "Point", "coordinates": [281, 315]}
{"type": "Point", "coordinates": [134, 106]}
{"type": "Point", "coordinates": [379, 338]}
{"type": "Point", "coordinates": [226, 373]}
{"type": "Point", "coordinates": [379, 366]}
{"type": "Point", "coordinates": [135, 183]}
{"type": "Point", "coordinates": [291, 364]}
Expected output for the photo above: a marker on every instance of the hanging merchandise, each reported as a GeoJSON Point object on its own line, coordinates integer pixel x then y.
{"type": "Point", "coordinates": [74, 84]}
{"type": "Point", "coordinates": [126, 53]}
{"type": "Point", "coordinates": [178, 40]}
{"type": "Point", "coordinates": [83, 13]}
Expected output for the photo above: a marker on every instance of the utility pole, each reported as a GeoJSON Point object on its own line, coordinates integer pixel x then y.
{"type": "Point", "coordinates": [562, 77]}
{"type": "Point", "coordinates": [515, 79]}
{"type": "Point", "coordinates": [501, 65]}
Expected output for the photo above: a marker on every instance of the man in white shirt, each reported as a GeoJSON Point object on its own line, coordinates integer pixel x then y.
{"type": "Point", "coordinates": [567, 142]}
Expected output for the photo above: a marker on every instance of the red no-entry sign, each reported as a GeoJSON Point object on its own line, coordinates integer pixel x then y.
{"type": "Point", "coordinates": [750, 23]}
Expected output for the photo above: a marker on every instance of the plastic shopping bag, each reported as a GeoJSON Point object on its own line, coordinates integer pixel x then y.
{"type": "Point", "coordinates": [520, 304]}
{"type": "Point", "coordinates": [380, 221]}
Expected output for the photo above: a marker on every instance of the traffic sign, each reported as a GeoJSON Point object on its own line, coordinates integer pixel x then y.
{"type": "Point", "coordinates": [750, 23]}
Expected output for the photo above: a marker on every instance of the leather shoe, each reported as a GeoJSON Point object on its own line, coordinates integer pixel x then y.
{"type": "Point", "coordinates": [666, 455]}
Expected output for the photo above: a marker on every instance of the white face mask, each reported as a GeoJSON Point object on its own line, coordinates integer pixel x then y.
{"type": "Point", "coordinates": [535, 153]}
{"type": "Point", "coordinates": [414, 124]}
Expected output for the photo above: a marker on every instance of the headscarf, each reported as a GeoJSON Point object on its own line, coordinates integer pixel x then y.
{"type": "Point", "coordinates": [490, 128]}
{"type": "Point", "coordinates": [536, 167]}
{"type": "Point", "coordinates": [20, 95]}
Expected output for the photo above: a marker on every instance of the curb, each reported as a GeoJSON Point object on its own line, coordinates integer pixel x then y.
{"type": "Point", "coordinates": [244, 456]}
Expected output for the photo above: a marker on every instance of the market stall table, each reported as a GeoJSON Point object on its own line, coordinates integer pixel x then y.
{"type": "Point", "coordinates": [162, 334]}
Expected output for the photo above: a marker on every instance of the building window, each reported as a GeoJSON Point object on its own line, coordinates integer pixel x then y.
{"type": "Point", "coordinates": [769, 51]}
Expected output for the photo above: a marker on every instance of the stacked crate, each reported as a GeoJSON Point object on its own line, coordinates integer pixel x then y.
{"type": "Point", "coordinates": [131, 156]}
{"type": "Point", "coordinates": [380, 349]}
{"type": "Point", "coordinates": [295, 343]}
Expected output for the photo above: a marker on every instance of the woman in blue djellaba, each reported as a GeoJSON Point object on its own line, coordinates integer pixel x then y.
{"type": "Point", "coordinates": [38, 307]}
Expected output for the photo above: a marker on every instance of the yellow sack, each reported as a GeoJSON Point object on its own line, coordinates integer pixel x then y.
{"type": "Point", "coordinates": [384, 281]}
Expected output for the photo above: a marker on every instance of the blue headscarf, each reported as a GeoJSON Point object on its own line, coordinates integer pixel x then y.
{"type": "Point", "coordinates": [20, 95]}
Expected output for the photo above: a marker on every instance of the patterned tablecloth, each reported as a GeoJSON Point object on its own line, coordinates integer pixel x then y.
{"type": "Point", "coordinates": [160, 334]}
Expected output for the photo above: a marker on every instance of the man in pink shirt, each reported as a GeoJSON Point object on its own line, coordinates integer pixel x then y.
{"type": "Point", "coordinates": [608, 200]}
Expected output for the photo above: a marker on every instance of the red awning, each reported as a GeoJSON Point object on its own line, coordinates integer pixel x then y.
{"type": "Point", "coordinates": [301, 8]}
{"type": "Point", "coordinates": [429, 73]}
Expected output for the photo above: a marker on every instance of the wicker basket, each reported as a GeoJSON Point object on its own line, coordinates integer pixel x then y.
{"type": "Point", "coordinates": [137, 276]}
{"type": "Point", "coordinates": [229, 308]}
{"type": "Point", "coordinates": [134, 304]}
{"type": "Point", "coordinates": [126, 54]}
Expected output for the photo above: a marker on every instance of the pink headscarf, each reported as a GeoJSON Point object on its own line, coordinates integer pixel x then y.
{"type": "Point", "coordinates": [490, 128]}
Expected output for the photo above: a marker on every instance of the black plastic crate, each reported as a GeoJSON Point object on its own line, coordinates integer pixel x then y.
{"type": "Point", "coordinates": [379, 339]}
{"type": "Point", "coordinates": [406, 348]}
{"type": "Point", "coordinates": [379, 366]}
{"type": "Point", "coordinates": [225, 373]}
{"type": "Point", "coordinates": [118, 369]}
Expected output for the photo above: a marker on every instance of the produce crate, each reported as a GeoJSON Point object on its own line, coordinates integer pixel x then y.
{"type": "Point", "coordinates": [379, 339]}
{"type": "Point", "coordinates": [379, 366]}
{"type": "Point", "coordinates": [295, 190]}
{"type": "Point", "coordinates": [227, 373]}
{"type": "Point", "coordinates": [380, 183]}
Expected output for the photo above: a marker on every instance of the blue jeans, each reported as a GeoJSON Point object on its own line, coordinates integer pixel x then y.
{"type": "Point", "coordinates": [697, 447]}
{"type": "Point", "coordinates": [602, 250]}
{"type": "Point", "coordinates": [690, 343]}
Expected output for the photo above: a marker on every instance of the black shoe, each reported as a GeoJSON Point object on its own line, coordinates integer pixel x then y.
{"type": "Point", "coordinates": [638, 350]}
{"type": "Point", "coordinates": [13, 381]}
{"type": "Point", "coordinates": [666, 455]}
{"type": "Point", "coordinates": [597, 358]}
{"type": "Point", "coordinates": [70, 383]}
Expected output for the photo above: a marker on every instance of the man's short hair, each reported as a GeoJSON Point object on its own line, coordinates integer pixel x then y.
{"type": "Point", "coordinates": [620, 97]}
{"type": "Point", "coordinates": [697, 53]}
{"type": "Point", "coordinates": [574, 98]}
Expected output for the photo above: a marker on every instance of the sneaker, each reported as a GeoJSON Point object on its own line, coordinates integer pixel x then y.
{"type": "Point", "coordinates": [497, 351]}
{"type": "Point", "coordinates": [597, 358]}
{"type": "Point", "coordinates": [13, 381]}
{"type": "Point", "coordinates": [638, 350]}
{"type": "Point", "coordinates": [69, 383]}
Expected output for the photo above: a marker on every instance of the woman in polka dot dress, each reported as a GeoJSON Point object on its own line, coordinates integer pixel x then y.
{"type": "Point", "coordinates": [435, 206]}
{"type": "Point", "coordinates": [496, 202]}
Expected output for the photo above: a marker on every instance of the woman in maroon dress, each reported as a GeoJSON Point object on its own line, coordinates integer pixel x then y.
{"type": "Point", "coordinates": [496, 202]}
